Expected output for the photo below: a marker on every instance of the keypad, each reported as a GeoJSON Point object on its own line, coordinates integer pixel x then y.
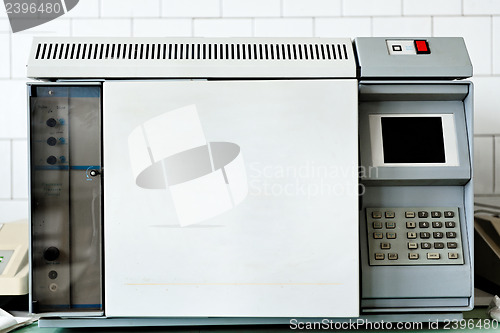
{"type": "Point", "coordinates": [414, 236]}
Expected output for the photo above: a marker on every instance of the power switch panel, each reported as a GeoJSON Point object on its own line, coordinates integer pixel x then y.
{"type": "Point", "coordinates": [414, 236]}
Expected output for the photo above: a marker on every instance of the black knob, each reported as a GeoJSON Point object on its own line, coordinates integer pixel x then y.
{"type": "Point", "coordinates": [94, 172]}
{"type": "Point", "coordinates": [51, 141]}
{"type": "Point", "coordinates": [51, 122]}
{"type": "Point", "coordinates": [52, 159]}
{"type": "Point", "coordinates": [51, 253]}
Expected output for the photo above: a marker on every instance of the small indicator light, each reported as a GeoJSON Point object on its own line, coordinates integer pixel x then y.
{"type": "Point", "coordinates": [422, 47]}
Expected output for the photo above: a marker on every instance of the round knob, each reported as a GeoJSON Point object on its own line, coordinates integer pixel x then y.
{"type": "Point", "coordinates": [52, 159]}
{"type": "Point", "coordinates": [51, 141]}
{"type": "Point", "coordinates": [51, 253]}
{"type": "Point", "coordinates": [94, 172]}
{"type": "Point", "coordinates": [51, 122]}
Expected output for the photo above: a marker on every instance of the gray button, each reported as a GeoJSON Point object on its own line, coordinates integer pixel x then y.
{"type": "Point", "coordinates": [451, 234]}
{"type": "Point", "coordinates": [391, 235]}
{"type": "Point", "coordinates": [452, 255]}
{"type": "Point", "coordinates": [413, 256]}
{"type": "Point", "coordinates": [437, 224]}
{"type": "Point", "coordinates": [425, 245]}
{"type": "Point", "coordinates": [452, 245]}
{"type": "Point", "coordinates": [377, 225]}
{"type": "Point", "coordinates": [435, 214]}
{"type": "Point", "coordinates": [423, 215]}
{"type": "Point", "coordinates": [425, 235]}
{"type": "Point", "coordinates": [385, 246]}
{"type": "Point", "coordinates": [411, 225]}
{"type": "Point", "coordinates": [412, 246]}
{"type": "Point", "coordinates": [449, 214]}
{"type": "Point", "coordinates": [390, 225]}
{"type": "Point", "coordinates": [423, 224]}
{"type": "Point", "coordinates": [393, 256]}
{"type": "Point", "coordinates": [438, 234]}
{"type": "Point", "coordinates": [378, 235]}
{"type": "Point", "coordinates": [433, 256]}
{"type": "Point", "coordinates": [439, 245]}
{"type": "Point", "coordinates": [390, 215]}
{"type": "Point", "coordinates": [379, 256]}
{"type": "Point", "coordinates": [377, 215]}
{"type": "Point", "coordinates": [449, 224]}
{"type": "Point", "coordinates": [410, 215]}
{"type": "Point", "coordinates": [411, 235]}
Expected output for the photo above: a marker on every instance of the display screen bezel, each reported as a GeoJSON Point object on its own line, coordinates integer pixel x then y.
{"type": "Point", "coordinates": [449, 140]}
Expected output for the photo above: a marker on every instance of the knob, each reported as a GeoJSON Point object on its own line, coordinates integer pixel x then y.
{"type": "Point", "coordinates": [51, 253]}
{"type": "Point", "coordinates": [51, 141]}
{"type": "Point", "coordinates": [94, 172]}
{"type": "Point", "coordinates": [51, 122]}
{"type": "Point", "coordinates": [52, 159]}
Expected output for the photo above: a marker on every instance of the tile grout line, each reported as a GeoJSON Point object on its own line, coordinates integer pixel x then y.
{"type": "Point", "coordinates": [11, 171]}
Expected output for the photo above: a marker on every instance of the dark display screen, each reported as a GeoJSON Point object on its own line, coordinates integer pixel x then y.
{"type": "Point", "coordinates": [413, 140]}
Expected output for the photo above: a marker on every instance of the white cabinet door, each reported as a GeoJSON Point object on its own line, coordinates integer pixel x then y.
{"type": "Point", "coordinates": [231, 198]}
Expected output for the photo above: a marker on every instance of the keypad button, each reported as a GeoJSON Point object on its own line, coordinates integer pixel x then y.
{"type": "Point", "coordinates": [449, 214]}
{"type": "Point", "coordinates": [378, 235]}
{"type": "Point", "coordinates": [410, 215]}
{"type": "Point", "coordinates": [385, 246]}
{"type": "Point", "coordinates": [413, 256]}
{"type": "Point", "coordinates": [437, 234]}
{"type": "Point", "coordinates": [452, 245]}
{"type": "Point", "coordinates": [439, 245]}
{"type": "Point", "coordinates": [425, 245]}
{"type": "Point", "coordinates": [411, 225]}
{"type": "Point", "coordinates": [412, 246]}
{"type": "Point", "coordinates": [433, 256]}
{"type": "Point", "coordinates": [411, 235]}
{"type": "Point", "coordinates": [435, 214]}
{"type": "Point", "coordinates": [377, 225]}
{"type": "Point", "coordinates": [390, 225]}
{"type": "Point", "coordinates": [449, 224]}
{"type": "Point", "coordinates": [437, 224]}
{"type": "Point", "coordinates": [391, 235]}
{"type": "Point", "coordinates": [423, 215]}
{"type": "Point", "coordinates": [423, 224]}
{"type": "Point", "coordinates": [393, 256]}
{"type": "Point", "coordinates": [390, 215]}
{"type": "Point", "coordinates": [379, 256]}
{"type": "Point", "coordinates": [425, 235]}
{"type": "Point", "coordinates": [452, 255]}
{"type": "Point", "coordinates": [377, 215]}
{"type": "Point", "coordinates": [451, 234]}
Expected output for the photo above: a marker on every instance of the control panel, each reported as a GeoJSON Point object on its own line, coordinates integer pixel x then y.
{"type": "Point", "coordinates": [65, 154]}
{"type": "Point", "coordinates": [414, 236]}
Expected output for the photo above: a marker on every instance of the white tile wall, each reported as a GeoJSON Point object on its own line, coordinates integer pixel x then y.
{"type": "Point", "coordinates": [483, 164]}
{"type": "Point", "coordinates": [283, 27]}
{"type": "Point", "coordinates": [254, 8]}
{"type": "Point", "coordinates": [402, 26]}
{"type": "Point", "coordinates": [432, 7]}
{"type": "Point", "coordinates": [476, 20]}
{"type": "Point", "coordinates": [191, 8]}
{"type": "Point", "coordinates": [372, 8]}
{"type": "Point", "coordinates": [162, 27]}
{"type": "Point", "coordinates": [317, 8]}
{"type": "Point", "coordinates": [20, 169]}
{"type": "Point", "coordinates": [127, 9]}
{"type": "Point", "coordinates": [343, 27]}
{"type": "Point", "coordinates": [222, 27]}
{"type": "Point", "coordinates": [476, 31]}
{"type": "Point", "coordinates": [481, 7]}
{"type": "Point", "coordinates": [5, 170]}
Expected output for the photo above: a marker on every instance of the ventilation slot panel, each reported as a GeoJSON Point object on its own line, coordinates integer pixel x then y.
{"type": "Point", "coordinates": [190, 51]}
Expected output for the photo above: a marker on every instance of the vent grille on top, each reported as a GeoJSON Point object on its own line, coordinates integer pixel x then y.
{"type": "Point", "coordinates": [193, 51]}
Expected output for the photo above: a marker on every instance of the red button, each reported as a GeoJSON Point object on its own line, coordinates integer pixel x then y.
{"type": "Point", "coordinates": [422, 47]}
